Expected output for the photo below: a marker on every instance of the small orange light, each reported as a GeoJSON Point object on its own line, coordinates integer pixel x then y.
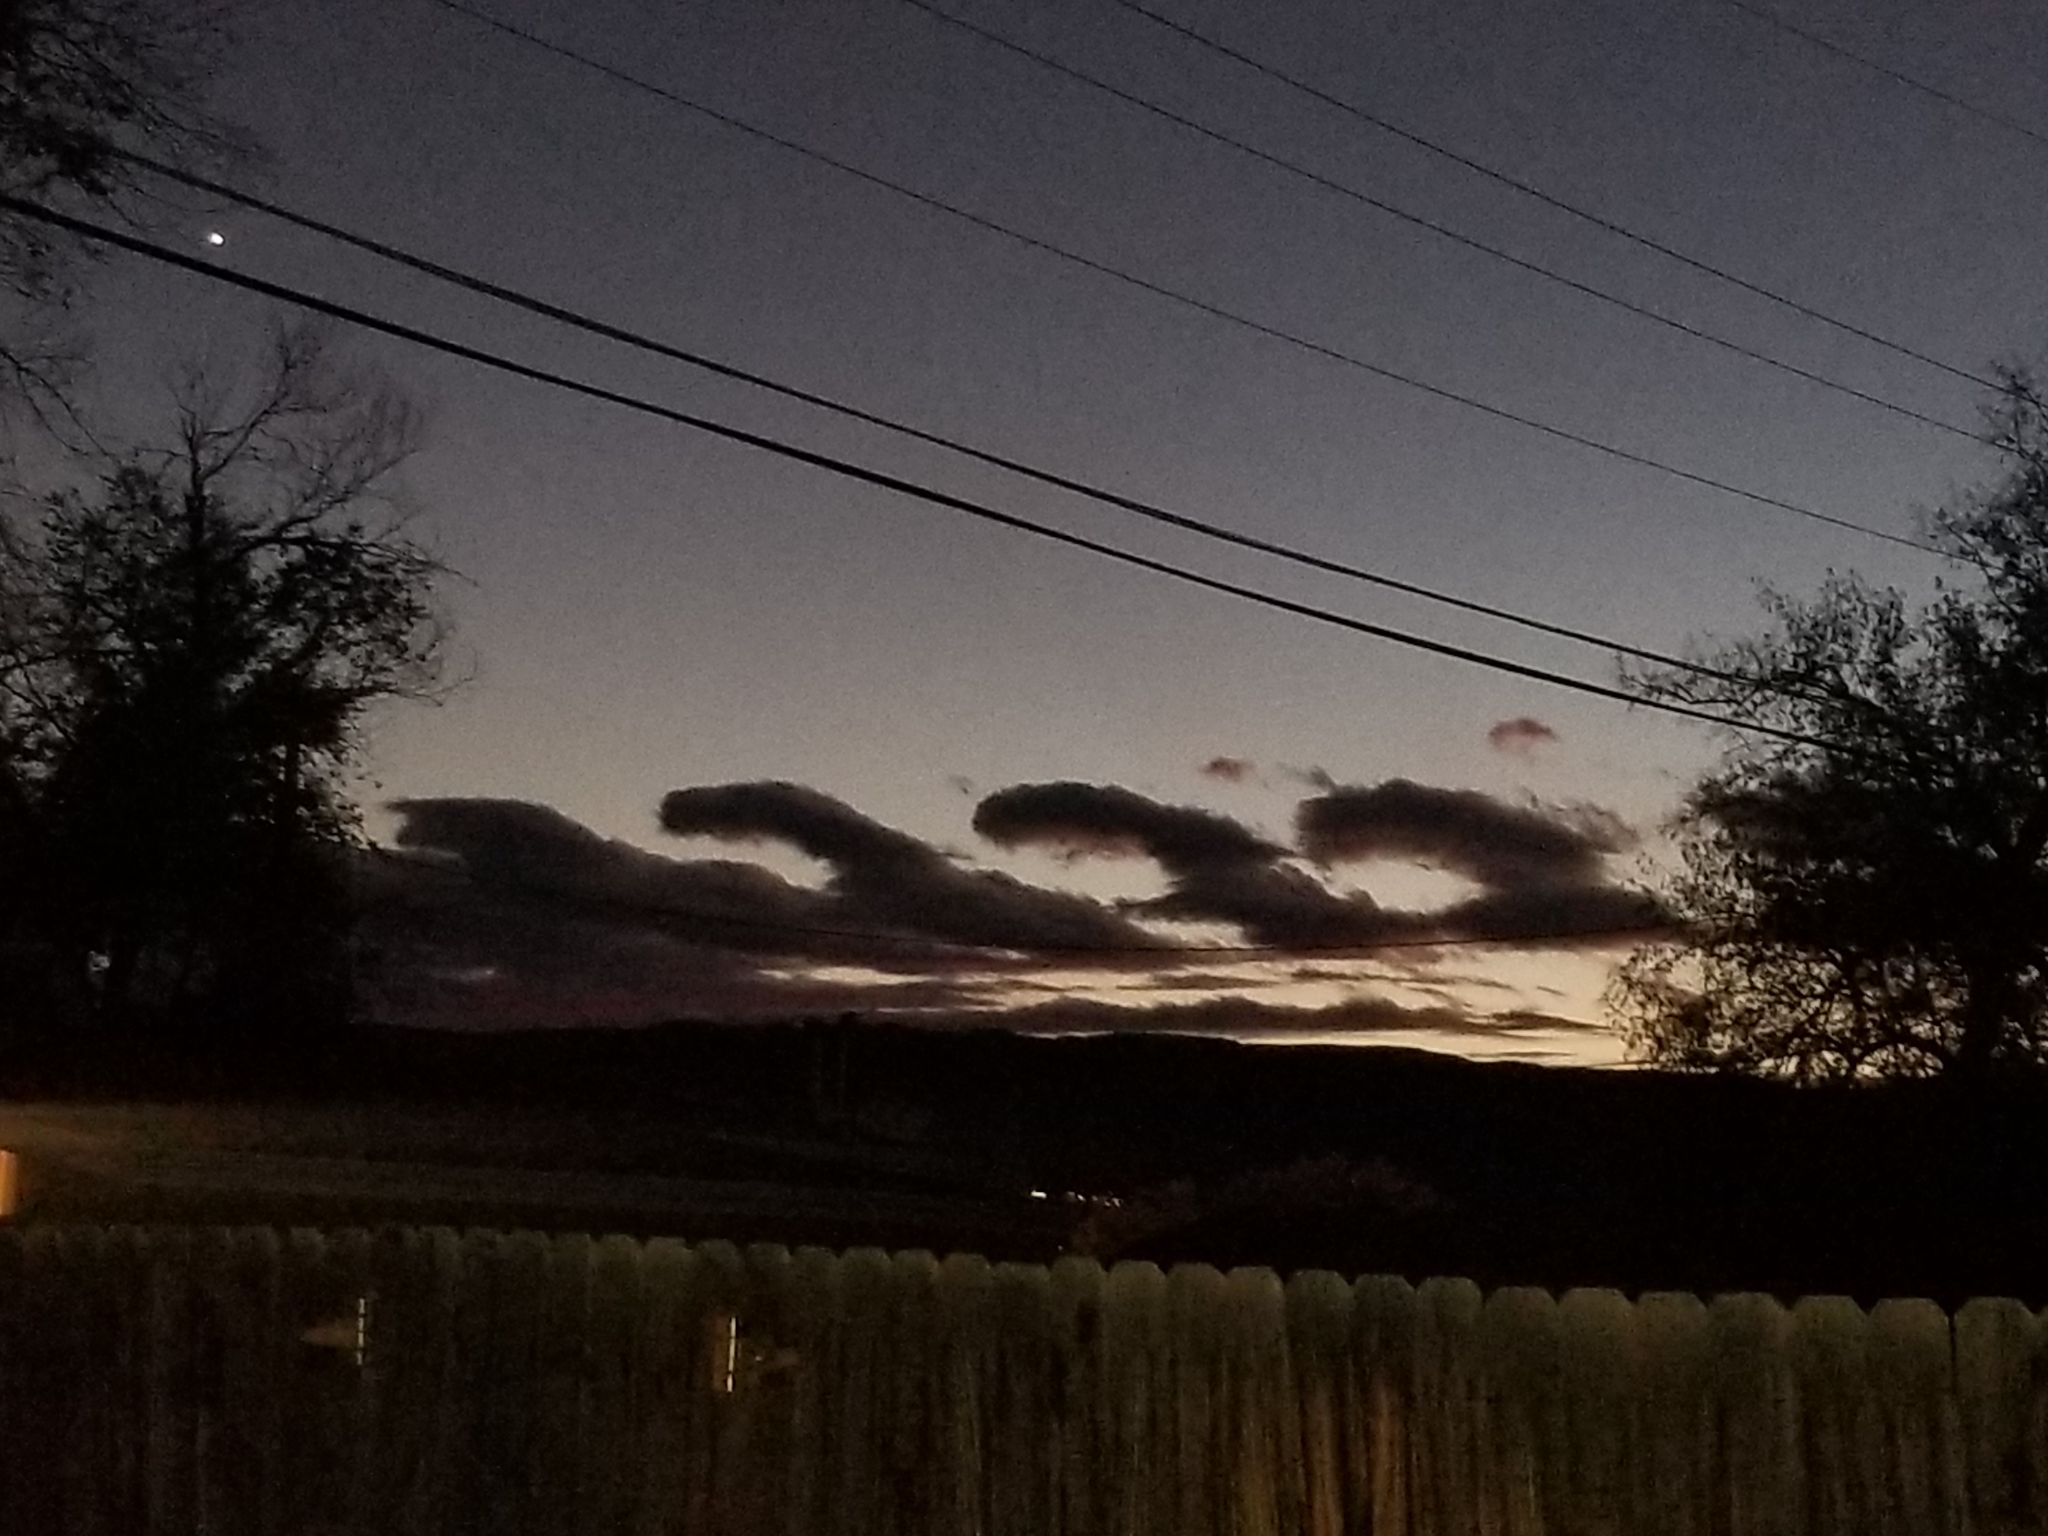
{"type": "Point", "coordinates": [10, 1184]}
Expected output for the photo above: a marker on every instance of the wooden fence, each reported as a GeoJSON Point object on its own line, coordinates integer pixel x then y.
{"type": "Point", "coordinates": [215, 1382]}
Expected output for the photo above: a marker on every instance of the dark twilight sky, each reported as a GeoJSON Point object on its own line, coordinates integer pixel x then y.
{"type": "Point", "coordinates": [654, 611]}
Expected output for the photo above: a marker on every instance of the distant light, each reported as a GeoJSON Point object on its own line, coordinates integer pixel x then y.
{"type": "Point", "coordinates": [1038, 1194]}
{"type": "Point", "coordinates": [215, 237]}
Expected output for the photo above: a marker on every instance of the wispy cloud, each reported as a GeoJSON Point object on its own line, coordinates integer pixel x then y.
{"type": "Point", "coordinates": [1521, 736]}
{"type": "Point", "coordinates": [1231, 770]}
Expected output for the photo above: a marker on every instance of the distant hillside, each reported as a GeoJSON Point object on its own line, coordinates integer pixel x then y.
{"type": "Point", "coordinates": [1346, 1158]}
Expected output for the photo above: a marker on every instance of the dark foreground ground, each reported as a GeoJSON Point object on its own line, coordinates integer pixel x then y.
{"type": "Point", "coordinates": [1358, 1160]}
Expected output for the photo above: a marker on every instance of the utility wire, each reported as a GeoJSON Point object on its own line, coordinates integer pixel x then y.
{"type": "Point", "coordinates": [1190, 301]}
{"type": "Point", "coordinates": [1443, 231]}
{"type": "Point", "coordinates": [619, 906]}
{"type": "Point", "coordinates": [1552, 200]}
{"type": "Point", "coordinates": [1829, 45]}
{"type": "Point", "coordinates": [582, 322]}
{"type": "Point", "coordinates": [864, 475]}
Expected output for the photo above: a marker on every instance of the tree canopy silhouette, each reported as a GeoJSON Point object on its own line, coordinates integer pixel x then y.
{"type": "Point", "coordinates": [1878, 906]}
{"type": "Point", "coordinates": [188, 653]}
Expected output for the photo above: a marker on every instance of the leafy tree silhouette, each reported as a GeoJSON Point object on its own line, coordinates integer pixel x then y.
{"type": "Point", "coordinates": [188, 654]}
{"type": "Point", "coordinates": [1880, 906]}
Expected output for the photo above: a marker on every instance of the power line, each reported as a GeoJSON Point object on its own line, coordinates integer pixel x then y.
{"type": "Point", "coordinates": [1443, 231]}
{"type": "Point", "coordinates": [1829, 45]}
{"type": "Point", "coordinates": [620, 906]}
{"type": "Point", "coordinates": [1190, 301]}
{"type": "Point", "coordinates": [1551, 200]}
{"type": "Point", "coordinates": [527, 302]}
{"type": "Point", "coordinates": [579, 321]}
{"type": "Point", "coordinates": [864, 475]}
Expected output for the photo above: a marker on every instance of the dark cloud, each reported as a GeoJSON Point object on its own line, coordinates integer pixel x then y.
{"type": "Point", "coordinates": [1351, 972]}
{"type": "Point", "coordinates": [1249, 1019]}
{"type": "Point", "coordinates": [1205, 981]}
{"type": "Point", "coordinates": [1217, 869]}
{"type": "Point", "coordinates": [1519, 737]}
{"type": "Point", "coordinates": [503, 913]}
{"type": "Point", "coordinates": [1111, 820]}
{"type": "Point", "coordinates": [882, 877]}
{"type": "Point", "coordinates": [1487, 840]}
{"type": "Point", "coordinates": [1602, 915]}
{"type": "Point", "coordinates": [1545, 870]}
{"type": "Point", "coordinates": [1231, 770]}
{"type": "Point", "coordinates": [538, 853]}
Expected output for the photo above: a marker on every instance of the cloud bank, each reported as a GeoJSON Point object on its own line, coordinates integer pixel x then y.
{"type": "Point", "coordinates": [496, 912]}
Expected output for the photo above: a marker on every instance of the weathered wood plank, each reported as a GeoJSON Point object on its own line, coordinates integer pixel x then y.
{"type": "Point", "coordinates": [1448, 1404]}
{"type": "Point", "coordinates": [1997, 1342]}
{"type": "Point", "coordinates": [1600, 1387]}
{"type": "Point", "coordinates": [1841, 1444]}
{"type": "Point", "coordinates": [561, 1436]}
{"type": "Point", "coordinates": [1319, 1344]}
{"type": "Point", "coordinates": [1024, 1450]}
{"type": "Point", "coordinates": [1675, 1464]}
{"type": "Point", "coordinates": [1759, 1483]}
{"type": "Point", "coordinates": [615, 1416]}
{"type": "Point", "coordinates": [1386, 1337]}
{"type": "Point", "coordinates": [175, 1388]}
{"type": "Point", "coordinates": [675, 1478]}
{"type": "Point", "coordinates": [1198, 1418]}
{"type": "Point", "coordinates": [1523, 1444]}
{"type": "Point", "coordinates": [871, 1415]}
{"type": "Point", "coordinates": [1077, 1286]}
{"type": "Point", "coordinates": [1912, 1379]}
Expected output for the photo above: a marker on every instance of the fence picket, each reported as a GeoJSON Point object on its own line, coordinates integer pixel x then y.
{"type": "Point", "coordinates": [1024, 1464]}
{"type": "Point", "coordinates": [1197, 1429]}
{"type": "Point", "coordinates": [1319, 1336]}
{"type": "Point", "coordinates": [674, 1475]}
{"type": "Point", "coordinates": [1523, 1440]}
{"type": "Point", "coordinates": [1840, 1445]}
{"type": "Point", "coordinates": [123, 1360]}
{"type": "Point", "coordinates": [805, 1338]}
{"type": "Point", "coordinates": [1673, 1481]}
{"type": "Point", "coordinates": [1600, 1387]}
{"type": "Point", "coordinates": [308, 1384]}
{"type": "Point", "coordinates": [1996, 1345]}
{"type": "Point", "coordinates": [560, 1443]}
{"type": "Point", "coordinates": [1448, 1405]}
{"type": "Point", "coordinates": [863, 1395]}
{"type": "Point", "coordinates": [84, 1418]}
{"type": "Point", "coordinates": [1758, 1485]}
{"type": "Point", "coordinates": [239, 1323]}
{"type": "Point", "coordinates": [174, 1389]}
{"type": "Point", "coordinates": [613, 1411]}
{"type": "Point", "coordinates": [1386, 1334]}
{"type": "Point", "coordinates": [1077, 1317]}
{"type": "Point", "coordinates": [1910, 1367]}
{"type": "Point", "coordinates": [959, 1386]}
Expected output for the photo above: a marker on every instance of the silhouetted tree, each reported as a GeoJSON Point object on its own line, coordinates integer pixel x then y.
{"type": "Point", "coordinates": [187, 655]}
{"type": "Point", "coordinates": [81, 81]}
{"type": "Point", "coordinates": [1878, 905]}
